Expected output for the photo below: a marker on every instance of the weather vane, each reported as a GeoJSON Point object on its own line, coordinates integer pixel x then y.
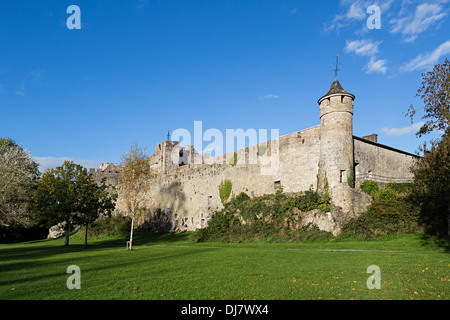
{"type": "Point", "coordinates": [337, 66]}
{"type": "Point", "coordinates": [168, 135]}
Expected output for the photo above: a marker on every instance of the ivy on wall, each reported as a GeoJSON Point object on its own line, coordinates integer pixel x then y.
{"type": "Point", "coordinates": [225, 190]}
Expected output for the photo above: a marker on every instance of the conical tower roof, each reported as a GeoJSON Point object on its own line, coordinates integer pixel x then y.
{"type": "Point", "coordinates": [336, 88]}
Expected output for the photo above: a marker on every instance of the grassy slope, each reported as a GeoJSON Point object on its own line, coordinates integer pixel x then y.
{"type": "Point", "coordinates": [170, 267]}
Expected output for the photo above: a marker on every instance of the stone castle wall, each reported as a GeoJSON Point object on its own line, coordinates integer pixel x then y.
{"type": "Point", "coordinates": [188, 195]}
{"type": "Point", "coordinates": [185, 193]}
{"type": "Point", "coordinates": [381, 163]}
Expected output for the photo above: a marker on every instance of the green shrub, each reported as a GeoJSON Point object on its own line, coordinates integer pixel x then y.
{"type": "Point", "coordinates": [274, 217]}
{"type": "Point", "coordinates": [371, 224]}
{"type": "Point", "coordinates": [110, 226]}
{"type": "Point", "coordinates": [310, 200]}
{"type": "Point", "coordinates": [399, 187]}
{"type": "Point", "coordinates": [220, 224]}
{"type": "Point", "coordinates": [370, 187]}
{"type": "Point", "coordinates": [310, 233]}
{"type": "Point", "coordinates": [240, 199]}
{"type": "Point", "coordinates": [252, 210]}
{"type": "Point", "coordinates": [391, 211]}
{"type": "Point", "coordinates": [394, 200]}
{"type": "Point", "coordinates": [265, 218]}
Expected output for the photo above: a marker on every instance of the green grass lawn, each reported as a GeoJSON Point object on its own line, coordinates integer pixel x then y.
{"type": "Point", "coordinates": [168, 267]}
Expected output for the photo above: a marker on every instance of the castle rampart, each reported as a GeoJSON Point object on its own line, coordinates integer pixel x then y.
{"type": "Point", "coordinates": [185, 192]}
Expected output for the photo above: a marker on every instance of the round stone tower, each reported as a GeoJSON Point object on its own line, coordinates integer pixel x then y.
{"type": "Point", "coordinates": [336, 146]}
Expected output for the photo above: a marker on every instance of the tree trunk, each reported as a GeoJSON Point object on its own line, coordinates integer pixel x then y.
{"type": "Point", "coordinates": [448, 221]}
{"type": "Point", "coordinates": [85, 235]}
{"type": "Point", "coordinates": [66, 242]}
{"type": "Point", "coordinates": [131, 234]}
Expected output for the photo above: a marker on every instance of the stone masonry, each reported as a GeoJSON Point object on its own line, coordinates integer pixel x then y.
{"type": "Point", "coordinates": [185, 192]}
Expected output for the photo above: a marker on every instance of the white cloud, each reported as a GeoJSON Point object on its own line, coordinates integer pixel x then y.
{"type": "Point", "coordinates": [337, 23]}
{"type": "Point", "coordinates": [354, 11]}
{"type": "Point", "coordinates": [428, 60]}
{"type": "Point", "coordinates": [376, 66]}
{"type": "Point", "coordinates": [370, 49]}
{"type": "Point", "coordinates": [362, 47]}
{"type": "Point", "coordinates": [53, 162]}
{"type": "Point", "coordinates": [410, 18]}
{"type": "Point", "coordinates": [425, 16]}
{"type": "Point", "coordinates": [402, 131]}
{"type": "Point", "coordinates": [357, 11]}
{"type": "Point", "coordinates": [269, 96]}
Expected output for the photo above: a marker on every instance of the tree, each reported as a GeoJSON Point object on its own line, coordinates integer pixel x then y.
{"type": "Point", "coordinates": [435, 93]}
{"type": "Point", "coordinates": [69, 195]}
{"type": "Point", "coordinates": [95, 200]}
{"type": "Point", "coordinates": [431, 187]}
{"type": "Point", "coordinates": [18, 177]}
{"type": "Point", "coordinates": [134, 182]}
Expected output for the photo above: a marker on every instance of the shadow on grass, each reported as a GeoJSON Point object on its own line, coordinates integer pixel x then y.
{"type": "Point", "coordinates": [442, 242]}
{"type": "Point", "coordinates": [44, 260]}
{"type": "Point", "coordinates": [148, 238]}
{"type": "Point", "coordinates": [141, 238]}
{"type": "Point", "coordinates": [39, 249]}
{"type": "Point", "coordinates": [36, 265]}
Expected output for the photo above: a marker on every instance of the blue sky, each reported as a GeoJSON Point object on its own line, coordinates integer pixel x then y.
{"type": "Point", "coordinates": [138, 68]}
